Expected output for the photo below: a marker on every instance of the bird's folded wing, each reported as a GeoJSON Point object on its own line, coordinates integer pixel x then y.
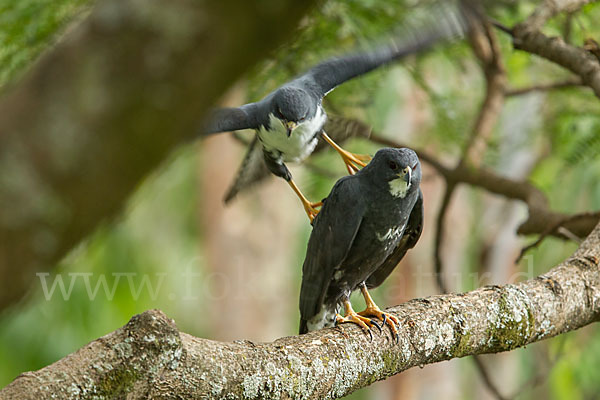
{"type": "Point", "coordinates": [444, 23]}
{"type": "Point", "coordinates": [334, 230]}
{"type": "Point", "coordinates": [231, 119]}
{"type": "Point", "coordinates": [411, 235]}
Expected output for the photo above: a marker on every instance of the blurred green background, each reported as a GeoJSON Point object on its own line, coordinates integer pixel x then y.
{"type": "Point", "coordinates": [229, 273]}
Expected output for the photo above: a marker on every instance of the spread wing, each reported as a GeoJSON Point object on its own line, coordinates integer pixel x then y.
{"type": "Point", "coordinates": [412, 233]}
{"type": "Point", "coordinates": [232, 119]}
{"type": "Point", "coordinates": [334, 230]}
{"type": "Point", "coordinates": [443, 24]}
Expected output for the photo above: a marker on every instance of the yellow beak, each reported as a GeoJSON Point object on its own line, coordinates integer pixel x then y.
{"type": "Point", "coordinates": [408, 174]}
{"type": "Point", "coordinates": [290, 126]}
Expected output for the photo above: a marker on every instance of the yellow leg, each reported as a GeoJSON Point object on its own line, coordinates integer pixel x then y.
{"type": "Point", "coordinates": [310, 208]}
{"type": "Point", "coordinates": [353, 317]}
{"type": "Point", "coordinates": [353, 161]}
{"type": "Point", "coordinates": [373, 311]}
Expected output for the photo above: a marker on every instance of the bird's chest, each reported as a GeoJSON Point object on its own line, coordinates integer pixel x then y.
{"type": "Point", "coordinates": [296, 147]}
{"type": "Point", "coordinates": [384, 239]}
{"type": "Point", "coordinates": [383, 232]}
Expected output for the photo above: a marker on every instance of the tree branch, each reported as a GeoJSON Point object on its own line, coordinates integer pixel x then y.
{"type": "Point", "coordinates": [549, 8]}
{"type": "Point", "coordinates": [568, 83]}
{"type": "Point", "coordinates": [487, 49]}
{"type": "Point", "coordinates": [528, 37]}
{"type": "Point", "coordinates": [554, 228]}
{"type": "Point", "coordinates": [439, 236]}
{"type": "Point", "coordinates": [575, 59]}
{"type": "Point", "coordinates": [150, 358]}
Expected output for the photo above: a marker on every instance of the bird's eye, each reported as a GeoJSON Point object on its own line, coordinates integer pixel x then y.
{"type": "Point", "coordinates": [393, 165]}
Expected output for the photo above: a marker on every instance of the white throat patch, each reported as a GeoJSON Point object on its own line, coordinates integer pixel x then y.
{"type": "Point", "coordinates": [399, 187]}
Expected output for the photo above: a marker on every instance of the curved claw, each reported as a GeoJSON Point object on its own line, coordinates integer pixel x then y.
{"type": "Point", "coordinates": [377, 325]}
{"type": "Point", "coordinates": [364, 323]}
{"type": "Point", "coordinates": [385, 318]}
{"type": "Point", "coordinates": [311, 210]}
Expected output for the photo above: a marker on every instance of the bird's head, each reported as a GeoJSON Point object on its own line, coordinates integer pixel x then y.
{"type": "Point", "coordinates": [292, 106]}
{"type": "Point", "coordinates": [399, 168]}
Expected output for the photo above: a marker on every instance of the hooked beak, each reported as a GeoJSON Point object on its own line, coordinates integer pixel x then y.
{"type": "Point", "coordinates": [289, 126]}
{"type": "Point", "coordinates": [408, 174]}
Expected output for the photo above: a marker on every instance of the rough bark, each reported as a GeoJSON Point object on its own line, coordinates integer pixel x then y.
{"type": "Point", "coordinates": [549, 8]}
{"type": "Point", "coordinates": [528, 37]}
{"type": "Point", "coordinates": [575, 59]}
{"type": "Point", "coordinates": [105, 106]}
{"type": "Point", "coordinates": [150, 358]}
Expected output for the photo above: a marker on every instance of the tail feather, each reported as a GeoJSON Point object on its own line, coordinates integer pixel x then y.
{"type": "Point", "coordinates": [303, 326]}
{"type": "Point", "coordinates": [252, 171]}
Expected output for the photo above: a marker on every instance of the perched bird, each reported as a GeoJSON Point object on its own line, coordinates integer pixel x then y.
{"type": "Point", "coordinates": [289, 121]}
{"type": "Point", "coordinates": [366, 225]}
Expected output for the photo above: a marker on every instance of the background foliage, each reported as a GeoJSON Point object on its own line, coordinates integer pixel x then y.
{"type": "Point", "coordinates": [166, 252]}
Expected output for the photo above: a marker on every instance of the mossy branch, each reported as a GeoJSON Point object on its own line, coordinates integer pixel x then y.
{"type": "Point", "coordinates": [150, 358]}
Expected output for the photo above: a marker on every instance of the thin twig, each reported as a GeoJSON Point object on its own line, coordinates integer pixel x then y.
{"type": "Point", "coordinates": [498, 25]}
{"type": "Point", "coordinates": [439, 236]}
{"type": "Point", "coordinates": [554, 228]}
{"type": "Point", "coordinates": [542, 374]}
{"type": "Point", "coordinates": [486, 378]}
{"type": "Point", "coordinates": [544, 87]}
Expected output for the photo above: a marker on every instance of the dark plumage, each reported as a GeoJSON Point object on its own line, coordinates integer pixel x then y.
{"type": "Point", "coordinates": [289, 120]}
{"type": "Point", "coordinates": [367, 224]}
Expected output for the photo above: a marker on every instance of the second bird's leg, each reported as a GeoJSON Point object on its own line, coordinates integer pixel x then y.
{"type": "Point", "coordinates": [354, 317]}
{"type": "Point", "coordinates": [310, 208]}
{"type": "Point", "coordinates": [373, 311]}
{"type": "Point", "coordinates": [353, 161]}
{"type": "Point", "coordinates": [278, 168]}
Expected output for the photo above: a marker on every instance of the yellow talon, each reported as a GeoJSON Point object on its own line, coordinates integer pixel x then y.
{"type": "Point", "coordinates": [354, 162]}
{"type": "Point", "coordinates": [309, 207]}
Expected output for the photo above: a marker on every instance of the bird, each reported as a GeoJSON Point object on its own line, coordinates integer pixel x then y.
{"type": "Point", "coordinates": [365, 227]}
{"type": "Point", "coordinates": [289, 121]}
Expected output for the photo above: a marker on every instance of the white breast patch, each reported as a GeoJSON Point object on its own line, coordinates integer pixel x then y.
{"type": "Point", "coordinates": [301, 142]}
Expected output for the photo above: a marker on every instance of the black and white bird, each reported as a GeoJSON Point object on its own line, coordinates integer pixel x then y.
{"type": "Point", "coordinates": [289, 121]}
{"type": "Point", "coordinates": [365, 227]}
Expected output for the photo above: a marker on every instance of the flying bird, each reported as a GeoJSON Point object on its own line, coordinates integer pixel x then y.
{"type": "Point", "coordinates": [366, 225]}
{"type": "Point", "coordinates": [289, 121]}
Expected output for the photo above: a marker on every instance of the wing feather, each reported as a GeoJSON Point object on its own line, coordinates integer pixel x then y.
{"type": "Point", "coordinates": [334, 230]}
{"type": "Point", "coordinates": [231, 119]}
{"type": "Point", "coordinates": [443, 24]}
